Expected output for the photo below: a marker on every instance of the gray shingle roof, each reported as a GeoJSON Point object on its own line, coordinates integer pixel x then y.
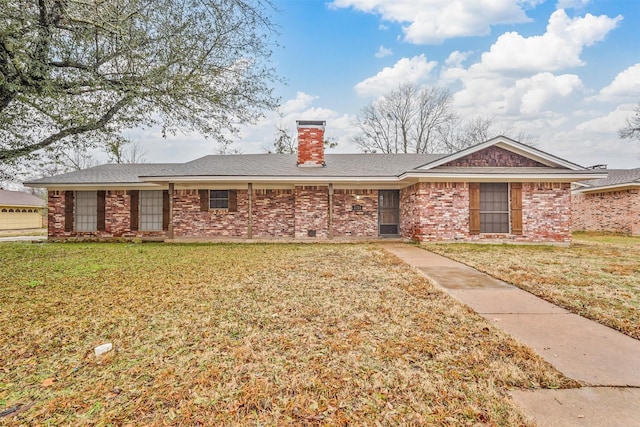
{"type": "Point", "coordinates": [284, 165]}
{"type": "Point", "coordinates": [18, 198]}
{"type": "Point", "coordinates": [108, 174]}
{"type": "Point", "coordinates": [276, 166]}
{"type": "Point", "coordinates": [616, 177]}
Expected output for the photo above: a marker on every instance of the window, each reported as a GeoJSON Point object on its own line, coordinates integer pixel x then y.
{"type": "Point", "coordinates": [219, 199]}
{"type": "Point", "coordinates": [86, 210]}
{"type": "Point", "coordinates": [494, 207]}
{"type": "Point", "coordinates": [151, 210]}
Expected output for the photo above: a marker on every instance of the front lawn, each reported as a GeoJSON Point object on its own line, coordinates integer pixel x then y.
{"type": "Point", "coordinates": [597, 277]}
{"type": "Point", "coordinates": [246, 335]}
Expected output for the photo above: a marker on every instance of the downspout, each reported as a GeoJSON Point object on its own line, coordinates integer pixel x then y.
{"type": "Point", "coordinates": [250, 210]}
{"type": "Point", "coordinates": [170, 230]}
{"type": "Point", "coordinates": [330, 211]}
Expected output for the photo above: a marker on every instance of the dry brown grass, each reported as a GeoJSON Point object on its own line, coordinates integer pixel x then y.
{"type": "Point", "coordinates": [598, 276]}
{"type": "Point", "coordinates": [246, 335]}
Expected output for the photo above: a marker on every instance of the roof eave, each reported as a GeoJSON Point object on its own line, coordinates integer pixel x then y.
{"type": "Point", "coordinates": [608, 188]}
{"type": "Point", "coordinates": [88, 185]}
{"type": "Point", "coordinates": [515, 177]}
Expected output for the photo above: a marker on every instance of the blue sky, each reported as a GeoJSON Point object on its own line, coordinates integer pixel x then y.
{"type": "Point", "coordinates": [566, 72]}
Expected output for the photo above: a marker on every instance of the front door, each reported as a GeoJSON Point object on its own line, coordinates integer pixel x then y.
{"type": "Point", "coordinates": [388, 212]}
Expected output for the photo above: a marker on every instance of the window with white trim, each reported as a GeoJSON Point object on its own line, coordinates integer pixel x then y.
{"type": "Point", "coordinates": [86, 211]}
{"type": "Point", "coordinates": [151, 210]}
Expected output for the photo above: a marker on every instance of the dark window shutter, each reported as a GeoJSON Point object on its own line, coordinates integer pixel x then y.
{"type": "Point", "coordinates": [165, 210]}
{"type": "Point", "coordinates": [68, 211]}
{"type": "Point", "coordinates": [101, 217]}
{"type": "Point", "coordinates": [134, 206]}
{"type": "Point", "coordinates": [516, 208]}
{"type": "Point", "coordinates": [233, 201]}
{"type": "Point", "coordinates": [474, 208]}
{"type": "Point", "coordinates": [204, 200]}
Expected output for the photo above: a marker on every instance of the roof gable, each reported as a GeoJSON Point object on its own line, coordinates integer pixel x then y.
{"type": "Point", "coordinates": [494, 156]}
{"type": "Point", "coordinates": [502, 152]}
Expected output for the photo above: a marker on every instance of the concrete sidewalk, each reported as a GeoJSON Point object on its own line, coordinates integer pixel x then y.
{"type": "Point", "coordinates": [605, 360]}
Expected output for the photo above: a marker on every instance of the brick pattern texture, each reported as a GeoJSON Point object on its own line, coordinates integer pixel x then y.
{"type": "Point", "coordinates": [440, 212]}
{"type": "Point", "coordinates": [435, 211]}
{"type": "Point", "coordinates": [311, 146]}
{"type": "Point", "coordinates": [273, 213]}
{"type": "Point", "coordinates": [495, 157]}
{"type": "Point", "coordinates": [311, 212]}
{"type": "Point", "coordinates": [190, 221]}
{"type": "Point", "coordinates": [613, 211]}
{"type": "Point", "coordinates": [355, 213]}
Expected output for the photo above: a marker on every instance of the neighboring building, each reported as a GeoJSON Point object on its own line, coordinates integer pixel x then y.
{"type": "Point", "coordinates": [610, 204]}
{"type": "Point", "coordinates": [20, 210]}
{"type": "Point", "coordinates": [500, 190]}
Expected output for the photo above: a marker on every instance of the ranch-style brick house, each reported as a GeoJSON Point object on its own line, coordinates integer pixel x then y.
{"type": "Point", "coordinates": [499, 190]}
{"type": "Point", "coordinates": [611, 204]}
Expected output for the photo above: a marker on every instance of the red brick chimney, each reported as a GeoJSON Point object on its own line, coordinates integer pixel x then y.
{"type": "Point", "coordinates": [310, 143]}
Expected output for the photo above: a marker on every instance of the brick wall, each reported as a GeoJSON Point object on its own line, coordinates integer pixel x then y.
{"type": "Point", "coordinates": [440, 212]}
{"type": "Point", "coordinates": [189, 221]}
{"type": "Point", "coordinates": [428, 212]}
{"type": "Point", "coordinates": [354, 222]}
{"type": "Point", "coordinates": [613, 211]}
{"type": "Point", "coordinates": [435, 211]}
{"type": "Point", "coordinates": [273, 213]}
{"type": "Point", "coordinates": [311, 211]}
{"type": "Point", "coordinates": [546, 212]}
{"type": "Point", "coordinates": [494, 157]}
{"type": "Point", "coordinates": [55, 214]}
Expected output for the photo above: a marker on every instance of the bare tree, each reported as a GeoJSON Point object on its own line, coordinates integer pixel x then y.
{"type": "Point", "coordinates": [284, 140]}
{"type": "Point", "coordinates": [125, 151]}
{"type": "Point", "coordinates": [458, 135]}
{"type": "Point", "coordinates": [76, 158]}
{"type": "Point", "coordinates": [455, 136]}
{"type": "Point", "coordinates": [406, 120]}
{"type": "Point", "coordinates": [631, 129]}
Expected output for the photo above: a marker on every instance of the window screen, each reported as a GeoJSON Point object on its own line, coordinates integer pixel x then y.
{"type": "Point", "coordinates": [494, 208]}
{"type": "Point", "coordinates": [219, 199]}
{"type": "Point", "coordinates": [151, 210]}
{"type": "Point", "coordinates": [86, 210]}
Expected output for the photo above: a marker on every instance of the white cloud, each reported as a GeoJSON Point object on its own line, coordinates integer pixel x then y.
{"type": "Point", "coordinates": [626, 85]}
{"type": "Point", "coordinates": [456, 58]}
{"type": "Point", "coordinates": [534, 92]}
{"type": "Point", "coordinates": [383, 51]}
{"type": "Point", "coordinates": [300, 102]}
{"type": "Point", "coordinates": [560, 47]}
{"type": "Point", "coordinates": [406, 70]}
{"type": "Point", "coordinates": [433, 21]}
{"type": "Point", "coordinates": [609, 124]}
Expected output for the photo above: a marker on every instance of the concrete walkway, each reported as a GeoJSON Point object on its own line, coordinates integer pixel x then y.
{"type": "Point", "coordinates": [606, 361]}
